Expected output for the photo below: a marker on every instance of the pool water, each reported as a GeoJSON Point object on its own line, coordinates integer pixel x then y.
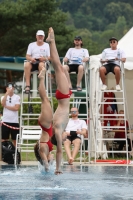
{"type": "Point", "coordinates": [76, 183]}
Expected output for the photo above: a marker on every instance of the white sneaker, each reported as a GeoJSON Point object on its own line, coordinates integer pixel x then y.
{"type": "Point", "coordinates": [104, 87]}
{"type": "Point", "coordinates": [118, 87]}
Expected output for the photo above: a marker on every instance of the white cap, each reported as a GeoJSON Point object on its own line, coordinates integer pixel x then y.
{"type": "Point", "coordinates": [40, 32]}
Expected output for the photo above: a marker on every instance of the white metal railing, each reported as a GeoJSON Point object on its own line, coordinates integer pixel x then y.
{"type": "Point", "coordinates": [99, 117]}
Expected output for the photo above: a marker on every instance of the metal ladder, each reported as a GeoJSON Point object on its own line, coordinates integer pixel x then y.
{"type": "Point", "coordinates": [102, 130]}
{"type": "Point", "coordinates": [33, 97]}
{"type": "Point", "coordinates": [80, 100]}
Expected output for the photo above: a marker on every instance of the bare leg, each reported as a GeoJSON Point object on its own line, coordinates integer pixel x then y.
{"type": "Point", "coordinates": [76, 144]}
{"type": "Point", "coordinates": [66, 70]}
{"type": "Point", "coordinates": [60, 121]}
{"type": "Point", "coordinates": [27, 72]}
{"type": "Point", "coordinates": [60, 118]}
{"type": "Point", "coordinates": [102, 71]}
{"type": "Point", "coordinates": [61, 80]}
{"type": "Point", "coordinates": [58, 152]}
{"type": "Point", "coordinates": [67, 144]}
{"type": "Point", "coordinates": [117, 74]}
{"type": "Point", "coordinates": [45, 117]}
{"type": "Point", "coordinates": [80, 74]}
{"type": "Point", "coordinates": [44, 152]}
{"type": "Point", "coordinates": [40, 66]}
{"type": "Point", "coordinates": [51, 158]}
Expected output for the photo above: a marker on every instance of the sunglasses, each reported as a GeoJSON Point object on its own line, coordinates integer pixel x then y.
{"type": "Point", "coordinates": [77, 39]}
{"type": "Point", "coordinates": [73, 112]}
{"type": "Point", "coordinates": [112, 42]}
{"type": "Point", "coordinates": [10, 100]}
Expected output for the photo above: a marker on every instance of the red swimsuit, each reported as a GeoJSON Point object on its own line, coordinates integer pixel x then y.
{"type": "Point", "coordinates": [59, 95]}
{"type": "Point", "coordinates": [49, 131]}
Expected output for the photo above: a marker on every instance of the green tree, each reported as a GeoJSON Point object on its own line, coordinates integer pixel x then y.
{"type": "Point", "coordinates": [120, 27]}
{"type": "Point", "coordinates": [21, 19]}
{"type": "Point", "coordinates": [71, 6]}
{"type": "Point", "coordinates": [96, 15]}
{"type": "Point", "coordinates": [113, 10]}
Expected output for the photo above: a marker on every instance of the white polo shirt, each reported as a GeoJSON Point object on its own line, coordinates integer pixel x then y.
{"type": "Point", "coordinates": [110, 54]}
{"type": "Point", "coordinates": [36, 51]}
{"type": "Point", "coordinates": [75, 56]}
{"type": "Point", "coordinates": [9, 115]}
{"type": "Point", "coordinates": [74, 125]}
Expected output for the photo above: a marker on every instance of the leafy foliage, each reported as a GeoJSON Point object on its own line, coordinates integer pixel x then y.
{"type": "Point", "coordinates": [21, 19]}
{"type": "Point", "coordinates": [103, 19]}
{"type": "Point", "coordinates": [96, 21]}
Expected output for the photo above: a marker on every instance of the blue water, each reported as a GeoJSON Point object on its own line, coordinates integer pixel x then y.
{"type": "Point", "coordinates": [76, 183]}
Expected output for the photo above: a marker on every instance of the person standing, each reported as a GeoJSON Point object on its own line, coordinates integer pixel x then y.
{"type": "Point", "coordinates": [10, 121]}
{"type": "Point", "coordinates": [76, 57]}
{"type": "Point", "coordinates": [37, 54]}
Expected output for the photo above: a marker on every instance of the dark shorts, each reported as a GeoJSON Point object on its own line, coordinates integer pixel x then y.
{"type": "Point", "coordinates": [71, 138]}
{"type": "Point", "coordinates": [35, 66]}
{"type": "Point", "coordinates": [110, 67]}
{"type": "Point", "coordinates": [73, 68]}
{"type": "Point", "coordinates": [6, 131]}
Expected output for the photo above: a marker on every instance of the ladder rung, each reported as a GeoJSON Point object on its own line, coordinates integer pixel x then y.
{"type": "Point", "coordinates": [80, 97]}
{"type": "Point", "coordinates": [83, 90]}
{"type": "Point", "coordinates": [76, 102]}
{"type": "Point", "coordinates": [113, 127]}
{"type": "Point", "coordinates": [111, 103]}
{"type": "Point", "coordinates": [35, 97]}
{"type": "Point", "coordinates": [111, 130]}
{"type": "Point", "coordinates": [112, 98]}
{"type": "Point", "coordinates": [112, 152]}
{"type": "Point", "coordinates": [106, 98]}
{"type": "Point", "coordinates": [27, 102]}
{"type": "Point", "coordinates": [24, 114]}
{"type": "Point", "coordinates": [110, 91]}
{"type": "Point", "coordinates": [82, 114]}
{"type": "Point", "coordinates": [31, 127]}
{"type": "Point", "coordinates": [31, 102]}
{"type": "Point", "coordinates": [108, 115]}
{"type": "Point", "coordinates": [24, 145]}
{"type": "Point", "coordinates": [111, 119]}
{"type": "Point", "coordinates": [28, 118]}
{"type": "Point", "coordinates": [112, 139]}
{"type": "Point", "coordinates": [24, 150]}
{"type": "Point", "coordinates": [32, 91]}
